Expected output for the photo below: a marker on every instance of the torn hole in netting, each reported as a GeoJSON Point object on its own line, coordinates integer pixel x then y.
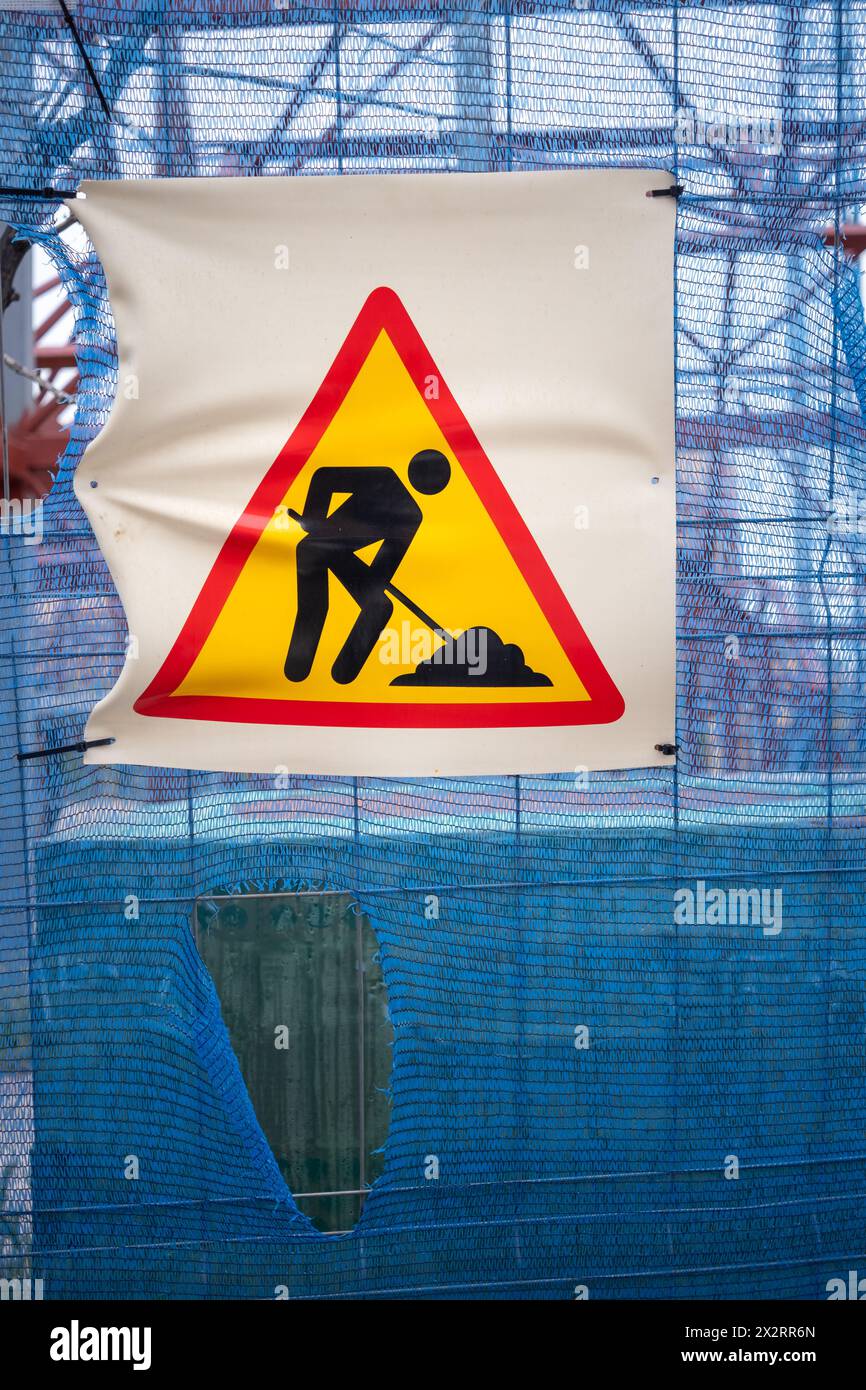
{"type": "Point", "coordinates": [852, 326]}
{"type": "Point", "coordinates": [74, 350]}
{"type": "Point", "coordinates": [304, 1009]}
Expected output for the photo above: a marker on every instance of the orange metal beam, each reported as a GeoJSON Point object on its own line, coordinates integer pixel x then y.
{"type": "Point", "coordinates": [853, 238]}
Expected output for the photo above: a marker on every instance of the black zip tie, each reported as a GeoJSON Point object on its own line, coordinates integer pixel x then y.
{"type": "Point", "coordinates": [65, 748]}
{"type": "Point", "coordinates": [85, 56]}
{"type": "Point", "coordinates": [673, 190]}
{"type": "Point", "coordinates": [58, 193]}
{"type": "Point", "coordinates": [668, 749]}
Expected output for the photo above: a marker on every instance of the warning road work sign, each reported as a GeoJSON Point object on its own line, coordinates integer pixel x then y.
{"type": "Point", "coordinates": [301, 620]}
{"type": "Point", "coordinates": [459, 555]}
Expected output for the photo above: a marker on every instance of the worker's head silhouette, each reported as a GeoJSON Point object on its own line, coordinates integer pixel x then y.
{"type": "Point", "coordinates": [429, 471]}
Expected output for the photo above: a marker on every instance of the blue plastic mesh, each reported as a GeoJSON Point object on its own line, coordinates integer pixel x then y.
{"type": "Point", "coordinates": [559, 1166]}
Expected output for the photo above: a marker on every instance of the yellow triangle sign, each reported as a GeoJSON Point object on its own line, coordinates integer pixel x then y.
{"type": "Point", "coordinates": [381, 575]}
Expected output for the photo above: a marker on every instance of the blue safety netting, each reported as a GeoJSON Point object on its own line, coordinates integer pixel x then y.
{"type": "Point", "coordinates": [713, 1049]}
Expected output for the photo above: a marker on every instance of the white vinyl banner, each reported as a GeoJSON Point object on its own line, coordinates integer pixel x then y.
{"type": "Point", "coordinates": [387, 488]}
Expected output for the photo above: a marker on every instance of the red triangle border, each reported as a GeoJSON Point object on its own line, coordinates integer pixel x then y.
{"type": "Point", "coordinates": [383, 310]}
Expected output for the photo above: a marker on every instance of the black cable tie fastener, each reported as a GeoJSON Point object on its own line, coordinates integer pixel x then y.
{"type": "Point", "coordinates": [81, 747]}
{"type": "Point", "coordinates": [57, 194]}
{"type": "Point", "coordinates": [667, 749]}
{"type": "Point", "coordinates": [673, 190]}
